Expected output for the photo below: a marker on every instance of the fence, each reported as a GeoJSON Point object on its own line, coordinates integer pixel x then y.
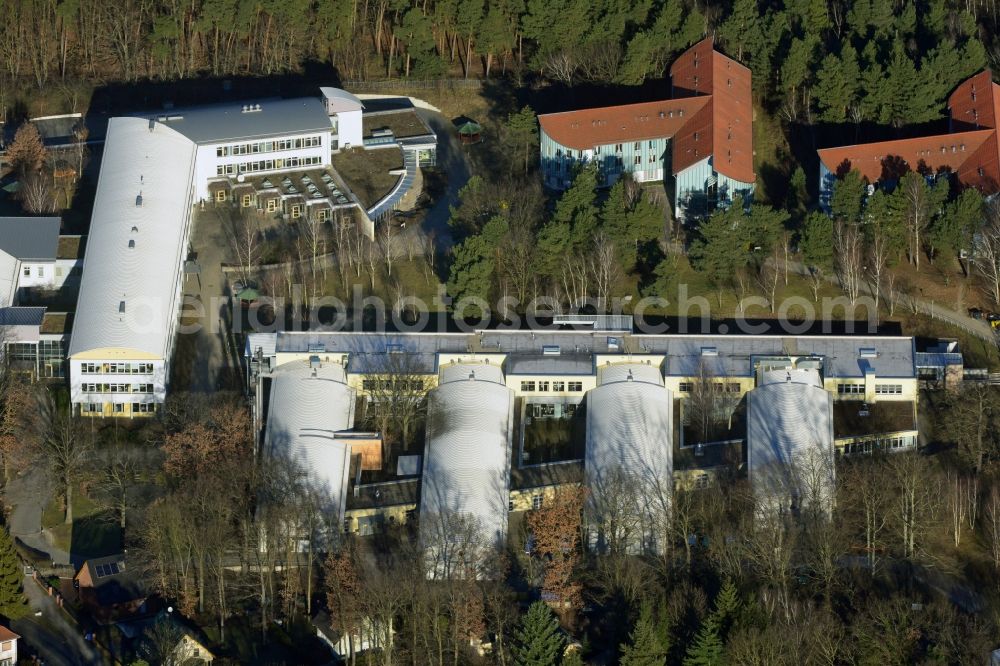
{"type": "Point", "coordinates": [422, 84]}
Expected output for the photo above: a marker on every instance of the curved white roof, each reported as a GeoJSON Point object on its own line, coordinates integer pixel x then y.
{"type": "Point", "coordinates": [304, 412]}
{"type": "Point", "coordinates": [480, 372]}
{"type": "Point", "coordinates": [467, 458]}
{"type": "Point", "coordinates": [790, 436]}
{"type": "Point", "coordinates": [620, 372]}
{"type": "Point", "coordinates": [338, 100]}
{"type": "Point", "coordinates": [630, 437]}
{"type": "Point", "coordinates": [807, 377]}
{"type": "Point", "coordinates": [128, 293]}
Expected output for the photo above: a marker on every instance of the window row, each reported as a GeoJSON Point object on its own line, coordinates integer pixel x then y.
{"type": "Point", "coordinates": [392, 384]}
{"type": "Point", "coordinates": [850, 389]}
{"type": "Point", "coordinates": [880, 444]}
{"type": "Point", "coordinates": [548, 410]}
{"type": "Point", "coordinates": [530, 387]}
{"type": "Point", "coordinates": [116, 368]}
{"type": "Point", "coordinates": [718, 387]}
{"type": "Point", "coordinates": [117, 388]}
{"type": "Point", "coordinates": [268, 146]}
{"type": "Point", "coordinates": [118, 407]}
{"type": "Point", "coordinates": [889, 389]}
{"type": "Point", "coordinates": [267, 165]}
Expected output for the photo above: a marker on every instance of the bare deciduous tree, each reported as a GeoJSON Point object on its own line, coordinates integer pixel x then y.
{"type": "Point", "coordinates": [64, 448]}
{"type": "Point", "coordinates": [36, 194]}
{"type": "Point", "coordinates": [244, 239]}
{"type": "Point", "coordinates": [986, 251]}
{"type": "Point", "coordinates": [848, 251]}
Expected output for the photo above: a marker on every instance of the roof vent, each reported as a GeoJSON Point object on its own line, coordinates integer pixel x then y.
{"type": "Point", "coordinates": [709, 351]}
{"type": "Point", "coordinates": [121, 307]}
{"type": "Point", "coordinates": [868, 352]}
{"type": "Point", "coordinates": [135, 229]}
{"type": "Point", "coordinates": [662, 115]}
{"type": "Point", "coordinates": [131, 244]}
{"type": "Point", "coordinates": [472, 375]}
{"type": "Point", "coordinates": [244, 108]}
{"type": "Point", "coordinates": [550, 350]}
{"type": "Point", "coordinates": [256, 107]}
{"type": "Point", "coordinates": [152, 124]}
{"type": "Point", "coordinates": [314, 363]}
{"type": "Point", "coordinates": [629, 377]}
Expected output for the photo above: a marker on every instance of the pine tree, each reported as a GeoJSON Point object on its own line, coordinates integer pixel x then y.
{"type": "Point", "coordinates": [11, 593]}
{"type": "Point", "coordinates": [707, 649]}
{"type": "Point", "coordinates": [578, 206]}
{"type": "Point", "coordinates": [520, 137]}
{"type": "Point", "coordinates": [816, 242]}
{"type": "Point", "coordinates": [727, 605]}
{"type": "Point", "coordinates": [848, 197]}
{"type": "Point", "coordinates": [646, 646]}
{"type": "Point", "coordinates": [572, 658]}
{"type": "Point", "coordinates": [538, 641]}
{"type": "Point", "coordinates": [798, 196]}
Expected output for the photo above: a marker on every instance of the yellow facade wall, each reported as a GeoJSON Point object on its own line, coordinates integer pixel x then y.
{"type": "Point", "coordinates": [114, 354]}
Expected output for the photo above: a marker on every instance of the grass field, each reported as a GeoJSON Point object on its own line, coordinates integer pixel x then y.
{"type": "Point", "coordinates": [366, 172]}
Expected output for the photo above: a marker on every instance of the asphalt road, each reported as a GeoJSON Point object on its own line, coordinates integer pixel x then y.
{"type": "Point", "coordinates": [57, 640]}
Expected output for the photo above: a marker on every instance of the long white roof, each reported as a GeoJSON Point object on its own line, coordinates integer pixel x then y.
{"type": "Point", "coordinates": [127, 293]}
{"type": "Point", "coordinates": [467, 457]}
{"type": "Point", "coordinates": [630, 429]}
{"type": "Point", "coordinates": [306, 408]}
{"type": "Point", "coordinates": [790, 434]}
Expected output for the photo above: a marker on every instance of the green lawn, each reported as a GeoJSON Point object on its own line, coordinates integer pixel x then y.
{"type": "Point", "coordinates": [93, 532]}
{"type": "Point", "coordinates": [366, 172]}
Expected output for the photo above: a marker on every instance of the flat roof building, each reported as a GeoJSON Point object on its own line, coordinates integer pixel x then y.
{"type": "Point", "coordinates": [154, 169]}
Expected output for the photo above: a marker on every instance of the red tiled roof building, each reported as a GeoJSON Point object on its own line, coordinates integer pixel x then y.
{"type": "Point", "coordinates": [699, 142]}
{"type": "Point", "coordinates": [969, 150]}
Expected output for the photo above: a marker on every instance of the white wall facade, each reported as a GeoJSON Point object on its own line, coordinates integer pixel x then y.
{"type": "Point", "coordinates": [208, 161]}
{"type": "Point", "coordinates": [349, 129]}
{"type": "Point", "coordinates": [136, 376]}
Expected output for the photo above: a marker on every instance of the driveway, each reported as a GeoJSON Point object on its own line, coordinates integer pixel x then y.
{"type": "Point", "coordinates": [203, 358]}
{"type": "Point", "coordinates": [57, 640]}
{"type": "Point", "coordinates": [28, 494]}
{"type": "Point", "coordinates": [451, 160]}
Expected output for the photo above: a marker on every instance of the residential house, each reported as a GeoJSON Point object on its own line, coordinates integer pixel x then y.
{"type": "Point", "coordinates": [106, 589]}
{"type": "Point", "coordinates": [698, 142]}
{"type": "Point", "coordinates": [969, 151]}
{"type": "Point", "coordinates": [189, 652]}
{"type": "Point", "coordinates": [8, 647]}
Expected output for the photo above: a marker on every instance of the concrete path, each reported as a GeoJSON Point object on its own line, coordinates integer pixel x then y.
{"type": "Point", "coordinates": [207, 362]}
{"type": "Point", "coordinates": [961, 320]}
{"type": "Point", "coordinates": [451, 159]}
{"type": "Point", "coordinates": [28, 494]}
{"type": "Point", "coordinates": [56, 639]}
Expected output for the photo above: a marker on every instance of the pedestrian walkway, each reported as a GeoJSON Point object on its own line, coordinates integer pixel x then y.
{"type": "Point", "coordinates": [28, 494]}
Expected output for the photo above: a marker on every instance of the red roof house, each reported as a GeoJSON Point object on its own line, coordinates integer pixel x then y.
{"type": "Point", "coordinates": [702, 135]}
{"type": "Point", "coordinates": [970, 150]}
